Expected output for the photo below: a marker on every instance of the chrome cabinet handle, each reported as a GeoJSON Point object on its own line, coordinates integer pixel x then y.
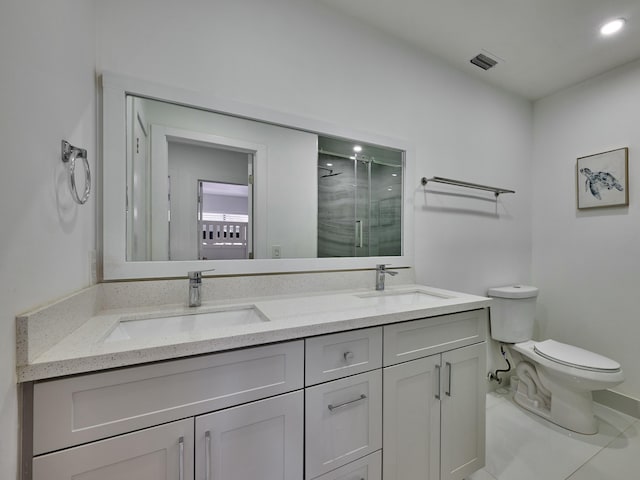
{"type": "Point", "coordinates": [348, 356]}
{"type": "Point", "coordinates": [448, 391]}
{"type": "Point", "coordinates": [181, 461]}
{"type": "Point", "coordinates": [438, 382]}
{"type": "Point", "coordinates": [340, 405]}
{"type": "Point", "coordinates": [207, 454]}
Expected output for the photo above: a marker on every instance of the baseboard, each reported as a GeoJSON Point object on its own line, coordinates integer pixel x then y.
{"type": "Point", "coordinates": [618, 401]}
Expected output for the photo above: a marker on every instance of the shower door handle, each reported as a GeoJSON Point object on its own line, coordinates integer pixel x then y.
{"type": "Point", "coordinates": [359, 233]}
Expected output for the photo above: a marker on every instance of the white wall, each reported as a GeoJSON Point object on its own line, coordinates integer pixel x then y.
{"type": "Point", "coordinates": [586, 262]}
{"type": "Point", "coordinates": [302, 58]}
{"type": "Point", "coordinates": [47, 93]}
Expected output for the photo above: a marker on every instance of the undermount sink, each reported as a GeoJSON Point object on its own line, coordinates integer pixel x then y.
{"type": "Point", "coordinates": [130, 329]}
{"type": "Point", "coordinates": [402, 298]}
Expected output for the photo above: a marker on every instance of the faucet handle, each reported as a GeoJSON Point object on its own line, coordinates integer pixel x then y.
{"type": "Point", "coordinates": [197, 274]}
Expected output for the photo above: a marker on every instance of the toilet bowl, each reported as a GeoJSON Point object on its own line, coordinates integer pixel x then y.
{"type": "Point", "coordinates": [556, 379]}
{"type": "Point", "coordinates": [566, 376]}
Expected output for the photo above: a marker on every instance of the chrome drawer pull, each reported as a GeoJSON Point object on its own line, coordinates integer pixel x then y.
{"type": "Point", "coordinates": [207, 446]}
{"type": "Point", "coordinates": [181, 463]}
{"type": "Point", "coordinates": [448, 391]}
{"type": "Point", "coordinates": [348, 356]}
{"type": "Point", "coordinates": [438, 383]}
{"type": "Point", "coordinates": [335, 407]}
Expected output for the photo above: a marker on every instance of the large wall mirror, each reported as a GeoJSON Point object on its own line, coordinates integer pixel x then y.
{"type": "Point", "coordinates": [193, 183]}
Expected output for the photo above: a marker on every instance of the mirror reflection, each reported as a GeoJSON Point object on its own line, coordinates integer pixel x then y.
{"type": "Point", "coordinates": [359, 200]}
{"type": "Point", "coordinates": [209, 186]}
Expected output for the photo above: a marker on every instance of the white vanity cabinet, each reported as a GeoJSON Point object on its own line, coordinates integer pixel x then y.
{"type": "Point", "coordinates": [434, 406]}
{"type": "Point", "coordinates": [402, 401]}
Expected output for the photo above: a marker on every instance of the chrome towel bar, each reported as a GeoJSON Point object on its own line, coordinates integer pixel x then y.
{"type": "Point", "coordinates": [496, 190]}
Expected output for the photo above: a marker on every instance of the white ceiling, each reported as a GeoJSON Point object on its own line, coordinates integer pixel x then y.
{"type": "Point", "coordinates": [542, 45]}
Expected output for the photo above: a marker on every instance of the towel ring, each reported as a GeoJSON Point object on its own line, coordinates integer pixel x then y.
{"type": "Point", "coordinates": [69, 156]}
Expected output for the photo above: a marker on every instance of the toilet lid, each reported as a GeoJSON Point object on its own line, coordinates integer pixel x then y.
{"type": "Point", "coordinates": [575, 357]}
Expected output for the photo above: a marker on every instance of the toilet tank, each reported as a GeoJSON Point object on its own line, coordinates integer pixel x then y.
{"type": "Point", "coordinates": [512, 313]}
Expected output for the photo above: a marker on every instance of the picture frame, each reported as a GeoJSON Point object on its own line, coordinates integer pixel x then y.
{"type": "Point", "coordinates": [602, 179]}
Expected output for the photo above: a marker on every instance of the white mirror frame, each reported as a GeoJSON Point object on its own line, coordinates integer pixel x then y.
{"type": "Point", "coordinates": [114, 263]}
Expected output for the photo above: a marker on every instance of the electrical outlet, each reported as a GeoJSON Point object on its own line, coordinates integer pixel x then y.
{"type": "Point", "coordinates": [276, 251]}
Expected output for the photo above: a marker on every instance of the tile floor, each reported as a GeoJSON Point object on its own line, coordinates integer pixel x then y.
{"type": "Point", "coordinates": [523, 446]}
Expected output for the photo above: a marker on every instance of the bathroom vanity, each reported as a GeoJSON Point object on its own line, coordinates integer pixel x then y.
{"type": "Point", "coordinates": [335, 386]}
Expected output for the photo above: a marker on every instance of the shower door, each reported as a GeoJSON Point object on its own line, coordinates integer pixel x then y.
{"type": "Point", "coordinates": [359, 207]}
{"type": "Point", "coordinates": [344, 197]}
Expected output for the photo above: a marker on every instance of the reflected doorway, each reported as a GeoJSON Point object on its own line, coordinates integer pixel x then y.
{"type": "Point", "coordinates": [223, 220]}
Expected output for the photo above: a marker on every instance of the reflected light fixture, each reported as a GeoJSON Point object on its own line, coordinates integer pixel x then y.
{"type": "Point", "coordinates": [357, 148]}
{"type": "Point", "coordinates": [613, 26]}
{"type": "Point", "coordinates": [329, 164]}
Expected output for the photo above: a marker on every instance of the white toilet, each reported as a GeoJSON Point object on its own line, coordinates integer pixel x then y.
{"type": "Point", "coordinates": [556, 379]}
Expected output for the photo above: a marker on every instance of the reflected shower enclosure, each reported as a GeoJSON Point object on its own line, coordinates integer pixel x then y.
{"type": "Point", "coordinates": [359, 199]}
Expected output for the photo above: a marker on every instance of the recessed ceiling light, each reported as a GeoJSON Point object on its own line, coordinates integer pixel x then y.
{"type": "Point", "coordinates": [394, 174]}
{"type": "Point", "coordinates": [357, 148]}
{"type": "Point", "coordinates": [612, 27]}
{"type": "Point", "coordinates": [329, 164]}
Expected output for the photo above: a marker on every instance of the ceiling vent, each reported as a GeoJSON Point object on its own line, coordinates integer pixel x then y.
{"type": "Point", "coordinates": [483, 61]}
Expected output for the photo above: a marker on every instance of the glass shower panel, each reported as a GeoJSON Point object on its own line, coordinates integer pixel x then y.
{"type": "Point", "coordinates": [336, 207]}
{"type": "Point", "coordinates": [359, 200]}
{"type": "Point", "coordinates": [386, 210]}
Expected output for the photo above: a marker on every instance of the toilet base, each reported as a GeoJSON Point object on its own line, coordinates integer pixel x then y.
{"type": "Point", "coordinates": [534, 406]}
{"type": "Point", "coordinates": [569, 409]}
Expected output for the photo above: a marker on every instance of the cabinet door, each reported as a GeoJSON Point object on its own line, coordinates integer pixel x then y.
{"type": "Point", "coordinates": [343, 421]}
{"type": "Point", "coordinates": [260, 440]}
{"type": "Point", "coordinates": [158, 453]}
{"type": "Point", "coordinates": [463, 411]}
{"type": "Point", "coordinates": [411, 445]}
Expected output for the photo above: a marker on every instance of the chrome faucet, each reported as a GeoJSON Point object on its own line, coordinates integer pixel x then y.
{"type": "Point", "coordinates": [381, 270]}
{"type": "Point", "coordinates": [195, 282]}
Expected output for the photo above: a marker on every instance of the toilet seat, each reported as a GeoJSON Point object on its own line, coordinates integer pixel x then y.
{"type": "Point", "coordinates": [575, 357]}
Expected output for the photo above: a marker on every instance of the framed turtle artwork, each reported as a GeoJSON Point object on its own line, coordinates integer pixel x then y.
{"type": "Point", "coordinates": [602, 179]}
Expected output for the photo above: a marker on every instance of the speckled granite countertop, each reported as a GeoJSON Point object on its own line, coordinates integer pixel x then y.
{"type": "Point", "coordinates": [289, 317]}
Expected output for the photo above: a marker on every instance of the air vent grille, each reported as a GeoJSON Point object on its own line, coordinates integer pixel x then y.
{"type": "Point", "coordinates": [484, 62]}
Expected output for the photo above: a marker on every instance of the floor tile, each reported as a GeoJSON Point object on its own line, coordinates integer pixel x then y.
{"type": "Point", "coordinates": [620, 460]}
{"type": "Point", "coordinates": [523, 446]}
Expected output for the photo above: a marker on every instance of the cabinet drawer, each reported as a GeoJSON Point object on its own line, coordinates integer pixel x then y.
{"type": "Point", "coordinates": [76, 410]}
{"type": "Point", "coordinates": [343, 421]}
{"type": "Point", "coordinates": [421, 338]}
{"type": "Point", "coordinates": [150, 454]}
{"type": "Point", "coordinates": [367, 468]}
{"type": "Point", "coordinates": [329, 357]}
